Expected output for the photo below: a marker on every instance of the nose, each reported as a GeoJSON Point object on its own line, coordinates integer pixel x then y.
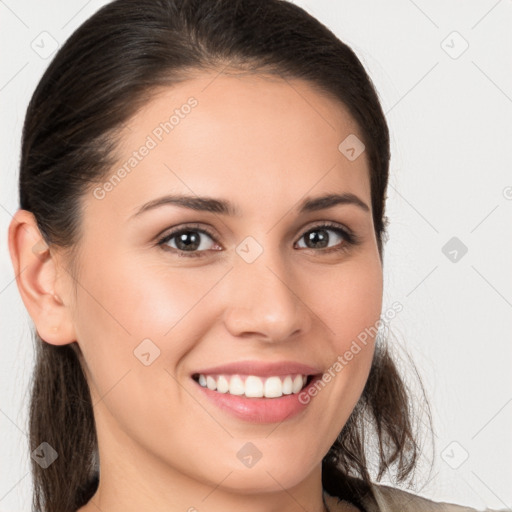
{"type": "Point", "coordinates": [265, 301]}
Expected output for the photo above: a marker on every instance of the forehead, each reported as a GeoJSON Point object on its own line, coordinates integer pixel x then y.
{"type": "Point", "coordinates": [250, 136]}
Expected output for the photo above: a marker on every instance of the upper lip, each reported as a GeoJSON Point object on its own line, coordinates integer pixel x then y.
{"type": "Point", "coordinates": [259, 368]}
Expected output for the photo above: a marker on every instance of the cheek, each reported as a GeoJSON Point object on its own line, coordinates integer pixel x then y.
{"type": "Point", "coordinates": [350, 307]}
{"type": "Point", "coordinates": [349, 301]}
{"type": "Point", "coordinates": [129, 309]}
{"type": "Point", "coordinates": [132, 302]}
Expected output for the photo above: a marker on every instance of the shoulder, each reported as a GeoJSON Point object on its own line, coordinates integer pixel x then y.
{"type": "Point", "coordinates": [390, 499]}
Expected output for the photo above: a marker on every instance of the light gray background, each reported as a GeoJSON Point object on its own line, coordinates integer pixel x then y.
{"type": "Point", "coordinates": [450, 119]}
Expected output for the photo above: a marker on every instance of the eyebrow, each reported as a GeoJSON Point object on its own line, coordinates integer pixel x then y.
{"type": "Point", "coordinates": [224, 207]}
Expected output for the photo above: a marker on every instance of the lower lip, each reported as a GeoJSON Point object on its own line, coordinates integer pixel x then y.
{"type": "Point", "coordinates": [260, 410]}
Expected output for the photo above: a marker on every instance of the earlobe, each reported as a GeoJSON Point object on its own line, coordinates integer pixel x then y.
{"type": "Point", "coordinates": [39, 282]}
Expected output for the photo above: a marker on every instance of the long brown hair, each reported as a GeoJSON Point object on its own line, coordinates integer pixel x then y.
{"type": "Point", "coordinates": [98, 79]}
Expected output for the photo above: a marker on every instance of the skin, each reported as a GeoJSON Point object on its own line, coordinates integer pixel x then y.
{"type": "Point", "coordinates": [264, 144]}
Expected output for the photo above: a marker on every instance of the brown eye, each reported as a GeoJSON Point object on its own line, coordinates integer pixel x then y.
{"type": "Point", "coordinates": [321, 237]}
{"type": "Point", "coordinates": [187, 241]}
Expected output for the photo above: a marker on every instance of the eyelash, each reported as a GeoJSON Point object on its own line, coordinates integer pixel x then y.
{"type": "Point", "coordinates": [350, 239]}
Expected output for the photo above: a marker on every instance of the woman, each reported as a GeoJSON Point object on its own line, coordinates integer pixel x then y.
{"type": "Point", "coordinates": [199, 244]}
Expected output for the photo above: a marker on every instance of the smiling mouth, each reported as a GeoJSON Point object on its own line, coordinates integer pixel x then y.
{"type": "Point", "coordinates": [253, 386]}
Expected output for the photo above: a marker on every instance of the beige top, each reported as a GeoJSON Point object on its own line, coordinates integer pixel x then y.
{"type": "Point", "coordinates": [389, 499]}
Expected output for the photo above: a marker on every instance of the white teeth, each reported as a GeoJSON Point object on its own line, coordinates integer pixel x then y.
{"type": "Point", "coordinates": [274, 387]}
{"type": "Point", "coordinates": [253, 386]}
{"type": "Point", "coordinates": [210, 383]}
{"type": "Point", "coordinates": [297, 384]}
{"type": "Point", "coordinates": [287, 386]}
{"type": "Point", "coordinates": [222, 384]}
{"type": "Point", "coordinates": [236, 386]}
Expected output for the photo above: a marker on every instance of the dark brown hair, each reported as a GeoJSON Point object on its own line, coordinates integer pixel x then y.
{"type": "Point", "coordinates": [97, 81]}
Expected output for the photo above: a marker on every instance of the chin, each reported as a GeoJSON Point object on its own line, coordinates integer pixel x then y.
{"type": "Point", "coordinates": [252, 481]}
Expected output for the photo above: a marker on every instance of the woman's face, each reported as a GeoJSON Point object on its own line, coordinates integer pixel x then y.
{"type": "Point", "coordinates": [265, 288]}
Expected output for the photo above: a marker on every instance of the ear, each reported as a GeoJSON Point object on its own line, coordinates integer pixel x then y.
{"type": "Point", "coordinates": [43, 284]}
